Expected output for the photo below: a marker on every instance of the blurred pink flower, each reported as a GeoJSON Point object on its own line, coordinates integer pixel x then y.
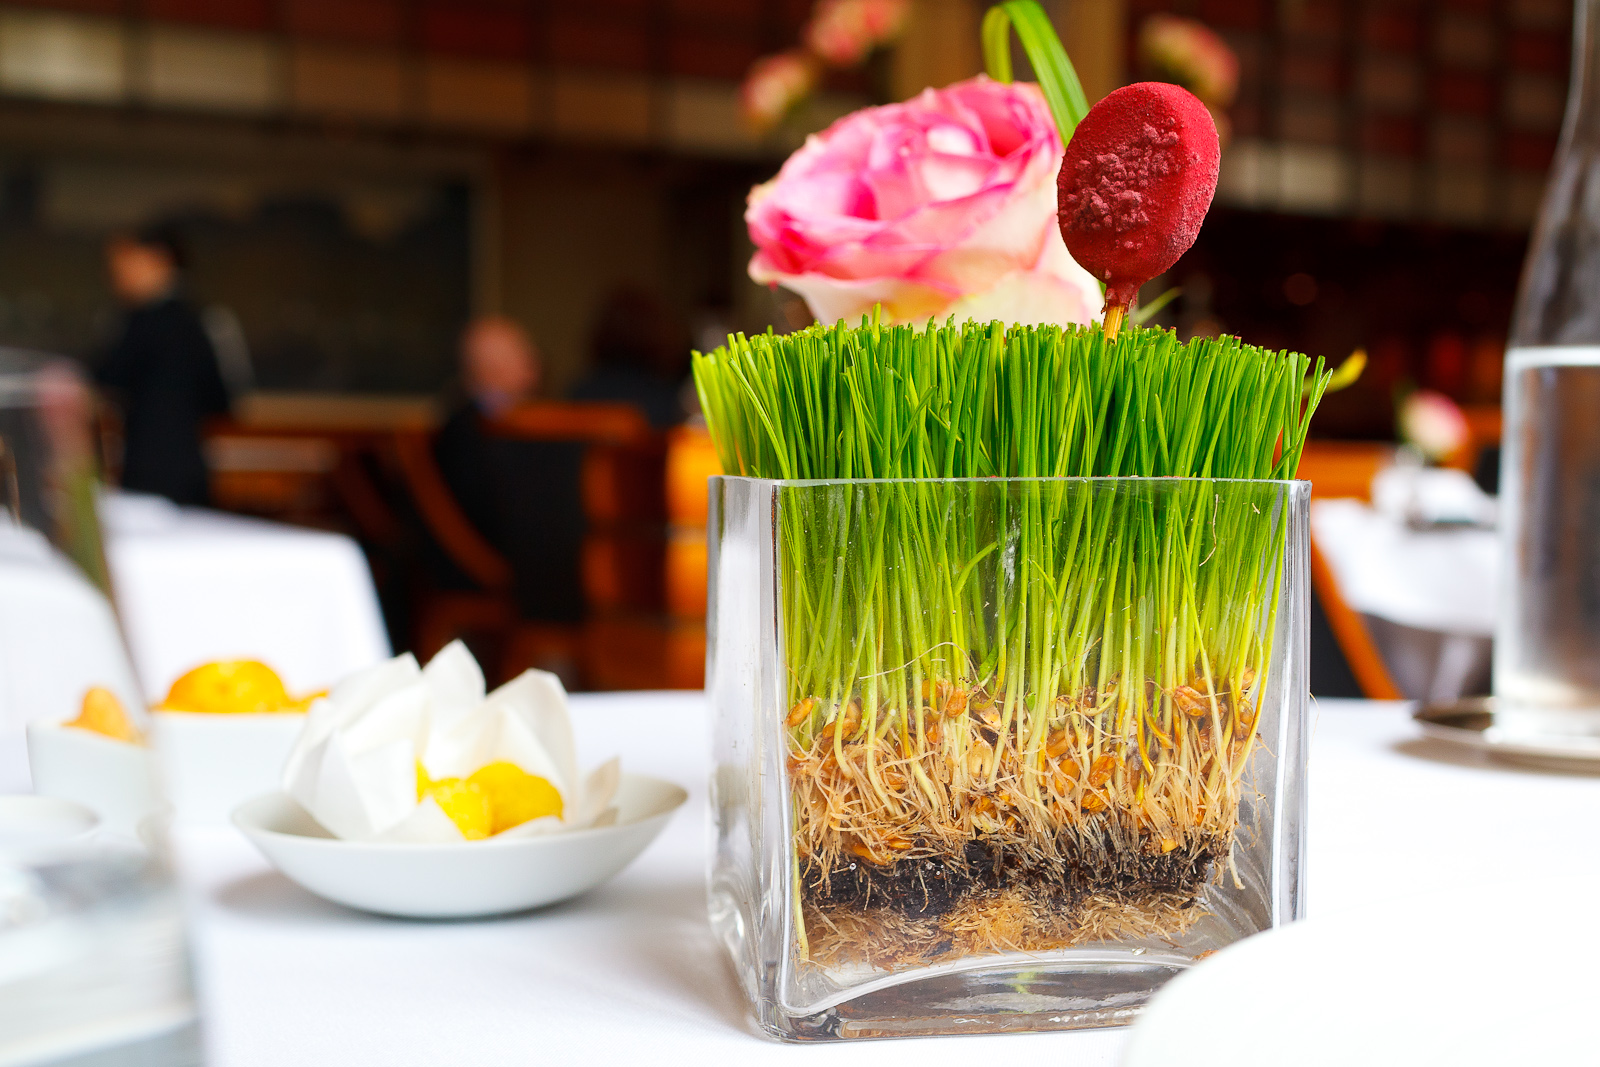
{"type": "Point", "coordinates": [1433, 423]}
{"type": "Point", "coordinates": [1190, 54]}
{"type": "Point", "coordinates": [776, 84]}
{"type": "Point", "coordinates": [944, 204]}
{"type": "Point", "coordinates": [842, 32]}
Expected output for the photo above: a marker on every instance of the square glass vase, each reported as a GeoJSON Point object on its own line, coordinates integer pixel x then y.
{"type": "Point", "coordinates": [1000, 754]}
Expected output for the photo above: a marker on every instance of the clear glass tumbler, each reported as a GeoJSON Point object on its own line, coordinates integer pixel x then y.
{"type": "Point", "coordinates": [94, 964]}
{"type": "Point", "coordinates": [1547, 641]}
{"type": "Point", "coordinates": [1000, 754]}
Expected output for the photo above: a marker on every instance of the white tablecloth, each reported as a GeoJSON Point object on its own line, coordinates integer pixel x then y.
{"type": "Point", "coordinates": [1440, 578]}
{"type": "Point", "coordinates": [631, 969]}
{"type": "Point", "coordinates": [194, 585]}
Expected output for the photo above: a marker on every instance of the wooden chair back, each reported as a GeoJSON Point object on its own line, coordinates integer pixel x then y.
{"type": "Point", "coordinates": [623, 492]}
{"type": "Point", "coordinates": [443, 517]}
{"type": "Point", "coordinates": [302, 473]}
{"type": "Point", "coordinates": [1344, 468]}
{"type": "Point", "coordinates": [691, 459]}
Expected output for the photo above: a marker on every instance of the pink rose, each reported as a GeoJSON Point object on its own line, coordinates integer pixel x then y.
{"type": "Point", "coordinates": [842, 32]}
{"type": "Point", "coordinates": [944, 204]}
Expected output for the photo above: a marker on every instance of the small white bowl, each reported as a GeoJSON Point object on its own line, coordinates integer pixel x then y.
{"type": "Point", "coordinates": [113, 779]}
{"type": "Point", "coordinates": [212, 763]}
{"type": "Point", "coordinates": [461, 880]}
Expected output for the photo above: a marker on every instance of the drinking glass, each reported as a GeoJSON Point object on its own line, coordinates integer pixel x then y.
{"type": "Point", "coordinates": [1547, 640]}
{"type": "Point", "coordinates": [1000, 754]}
{"type": "Point", "coordinates": [94, 965]}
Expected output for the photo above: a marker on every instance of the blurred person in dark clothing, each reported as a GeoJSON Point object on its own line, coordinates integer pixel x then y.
{"type": "Point", "coordinates": [499, 368]}
{"type": "Point", "coordinates": [524, 497]}
{"type": "Point", "coordinates": [162, 369]}
{"type": "Point", "coordinates": [638, 354]}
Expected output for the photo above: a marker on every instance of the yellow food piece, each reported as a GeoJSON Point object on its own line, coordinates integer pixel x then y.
{"type": "Point", "coordinates": [515, 796]}
{"type": "Point", "coordinates": [466, 804]}
{"type": "Point", "coordinates": [493, 798]}
{"type": "Point", "coordinates": [103, 713]}
{"type": "Point", "coordinates": [304, 703]}
{"type": "Point", "coordinates": [231, 687]}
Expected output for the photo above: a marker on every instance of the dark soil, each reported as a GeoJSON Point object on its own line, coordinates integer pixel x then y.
{"type": "Point", "coordinates": [932, 886]}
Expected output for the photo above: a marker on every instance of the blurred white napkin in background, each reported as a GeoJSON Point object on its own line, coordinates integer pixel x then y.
{"type": "Point", "coordinates": [355, 766]}
{"type": "Point", "coordinates": [1422, 555]}
{"type": "Point", "coordinates": [1432, 496]}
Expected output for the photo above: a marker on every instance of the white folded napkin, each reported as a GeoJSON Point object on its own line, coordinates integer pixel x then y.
{"type": "Point", "coordinates": [354, 767]}
{"type": "Point", "coordinates": [1432, 495]}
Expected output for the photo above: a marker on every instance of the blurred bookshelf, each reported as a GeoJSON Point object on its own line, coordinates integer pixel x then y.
{"type": "Point", "coordinates": [437, 157]}
{"type": "Point", "coordinates": [638, 73]}
{"type": "Point", "coordinates": [1432, 111]}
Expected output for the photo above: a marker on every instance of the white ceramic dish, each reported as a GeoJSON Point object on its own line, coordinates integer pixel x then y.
{"type": "Point", "coordinates": [113, 779]}
{"type": "Point", "coordinates": [1498, 975]}
{"type": "Point", "coordinates": [462, 880]}
{"type": "Point", "coordinates": [210, 764]}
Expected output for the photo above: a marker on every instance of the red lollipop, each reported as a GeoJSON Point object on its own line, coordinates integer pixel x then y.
{"type": "Point", "coordinates": [1138, 177]}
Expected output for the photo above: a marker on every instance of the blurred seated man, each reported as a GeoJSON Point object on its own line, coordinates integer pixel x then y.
{"type": "Point", "coordinates": [639, 355]}
{"type": "Point", "coordinates": [162, 369]}
{"type": "Point", "coordinates": [524, 497]}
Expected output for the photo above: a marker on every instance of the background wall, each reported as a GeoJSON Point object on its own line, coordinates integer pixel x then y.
{"type": "Point", "coordinates": [357, 176]}
{"type": "Point", "coordinates": [360, 174]}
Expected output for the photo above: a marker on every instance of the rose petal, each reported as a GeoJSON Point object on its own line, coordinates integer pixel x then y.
{"type": "Point", "coordinates": [1025, 296]}
{"type": "Point", "coordinates": [831, 299]}
{"type": "Point", "coordinates": [1055, 260]}
{"type": "Point", "coordinates": [916, 203]}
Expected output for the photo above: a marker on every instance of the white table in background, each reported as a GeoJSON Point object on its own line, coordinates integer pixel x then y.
{"type": "Point", "coordinates": [1429, 595]}
{"type": "Point", "coordinates": [194, 585]}
{"type": "Point", "coordinates": [631, 970]}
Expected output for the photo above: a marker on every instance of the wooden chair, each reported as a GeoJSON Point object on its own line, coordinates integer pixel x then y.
{"type": "Point", "coordinates": [1346, 469]}
{"type": "Point", "coordinates": [621, 556]}
{"type": "Point", "coordinates": [311, 458]}
{"type": "Point", "coordinates": [624, 498]}
{"type": "Point", "coordinates": [443, 615]}
{"type": "Point", "coordinates": [691, 459]}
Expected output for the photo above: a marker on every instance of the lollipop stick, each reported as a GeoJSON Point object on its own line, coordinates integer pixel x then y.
{"type": "Point", "coordinates": [1114, 317]}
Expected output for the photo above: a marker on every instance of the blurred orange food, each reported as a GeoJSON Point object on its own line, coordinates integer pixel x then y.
{"type": "Point", "coordinates": [103, 713]}
{"type": "Point", "coordinates": [233, 687]}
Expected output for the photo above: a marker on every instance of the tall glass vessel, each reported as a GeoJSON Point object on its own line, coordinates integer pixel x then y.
{"type": "Point", "coordinates": [1000, 754]}
{"type": "Point", "coordinates": [94, 964]}
{"type": "Point", "coordinates": [1547, 645]}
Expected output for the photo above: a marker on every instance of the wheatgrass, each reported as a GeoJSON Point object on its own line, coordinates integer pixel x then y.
{"type": "Point", "coordinates": [1019, 711]}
